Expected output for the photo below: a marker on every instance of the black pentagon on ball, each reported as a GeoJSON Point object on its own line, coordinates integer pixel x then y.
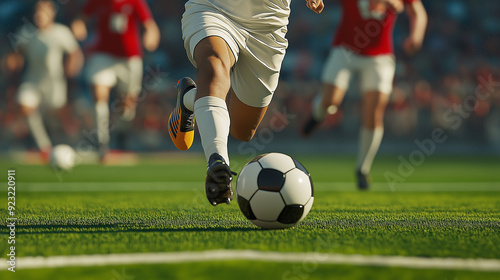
{"type": "Point", "coordinates": [301, 167]}
{"type": "Point", "coordinates": [245, 208]}
{"type": "Point", "coordinates": [270, 180]}
{"type": "Point", "coordinates": [291, 214]}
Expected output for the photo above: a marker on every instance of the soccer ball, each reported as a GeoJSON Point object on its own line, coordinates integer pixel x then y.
{"type": "Point", "coordinates": [63, 157]}
{"type": "Point", "coordinates": [274, 191]}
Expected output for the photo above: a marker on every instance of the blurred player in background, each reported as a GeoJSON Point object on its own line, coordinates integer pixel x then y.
{"type": "Point", "coordinates": [44, 86]}
{"type": "Point", "coordinates": [238, 47]}
{"type": "Point", "coordinates": [116, 57]}
{"type": "Point", "coordinates": [363, 45]}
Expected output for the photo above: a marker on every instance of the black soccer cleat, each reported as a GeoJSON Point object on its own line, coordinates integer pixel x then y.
{"type": "Point", "coordinates": [363, 180]}
{"type": "Point", "coordinates": [219, 181]}
{"type": "Point", "coordinates": [310, 127]}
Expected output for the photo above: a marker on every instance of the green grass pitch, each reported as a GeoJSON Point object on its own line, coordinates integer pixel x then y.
{"type": "Point", "coordinates": [447, 207]}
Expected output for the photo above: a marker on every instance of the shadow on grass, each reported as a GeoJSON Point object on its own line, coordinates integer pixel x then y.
{"type": "Point", "coordinates": [176, 226]}
{"type": "Point", "coordinates": [403, 223]}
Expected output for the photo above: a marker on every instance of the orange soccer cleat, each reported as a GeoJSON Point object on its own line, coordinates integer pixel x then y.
{"type": "Point", "coordinates": [181, 121]}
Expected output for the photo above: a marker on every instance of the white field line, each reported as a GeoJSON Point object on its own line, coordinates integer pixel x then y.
{"type": "Point", "coordinates": [189, 186]}
{"type": "Point", "coordinates": [250, 255]}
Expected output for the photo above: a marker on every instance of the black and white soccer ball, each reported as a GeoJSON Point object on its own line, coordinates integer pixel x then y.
{"type": "Point", "coordinates": [274, 191]}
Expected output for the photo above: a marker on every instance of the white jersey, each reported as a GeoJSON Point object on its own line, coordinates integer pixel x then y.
{"type": "Point", "coordinates": [45, 50]}
{"type": "Point", "coordinates": [252, 13]}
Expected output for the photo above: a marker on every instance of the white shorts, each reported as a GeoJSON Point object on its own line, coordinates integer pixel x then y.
{"type": "Point", "coordinates": [107, 70]}
{"type": "Point", "coordinates": [47, 92]}
{"type": "Point", "coordinates": [376, 72]}
{"type": "Point", "coordinates": [258, 54]}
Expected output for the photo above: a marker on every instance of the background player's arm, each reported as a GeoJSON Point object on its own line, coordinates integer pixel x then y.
{"type": "Point", "coordinates": [74, 63]}
{"type": "Point", "coordinates": [316, 6]}
{"type": "Point", "coordinates": [396, 6]}
{"type": "Point", "coordinates": [74, 56]}
{"type": "Point", "coordinates": [151, 37]}
{"type": "Point", "coordinates": [13, 62]}
{"type": "Point", "coordinates": [418, 23]}
{"type": "Point", "coordinates": [79, 28]}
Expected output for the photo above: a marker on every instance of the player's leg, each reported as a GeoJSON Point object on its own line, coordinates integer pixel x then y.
{"type": "Point", "coordinates": [245, 119]}
{"type": "Point", "coordinates": [254, 79]}
{"type": "Point", "coordinates": [124, 123]}
{"type": "Point", "coordinates": [39, 131]}
{"type": "Point", "coordinates": [30, 98]}
{"type": "Point", "coordinates": [129, 106]}
{"type": "Point", "coordinates": [327, 102]}
{"type": "Point", "coordinates": [129, 73]}
{"type": "Point", "coordinates": [101, 97]}
{"type": "Point", "coordinates": [101, 75]}
{"type": "Point", "coordinates": [371, 133]}
{"type": "Point", "coordinates": [205, 101]}
{"type": "Point", "coordinates": [336, 75]}
{"type": "Point", "coordinates": [214, 60]}
{"type": "Point", "coordinates": [376, 84]}
{"type": "Point", "coordinates": [212, 43]}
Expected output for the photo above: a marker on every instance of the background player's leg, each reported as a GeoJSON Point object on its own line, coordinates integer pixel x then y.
{"type": "Point", "coordinates": [244, 119]}
{"type": "Point", "coordinates": [214, 60]}
{"type": "Point", "coordinates": [101, 94]}
{"type": "Point", "coordinates": [129, 107]}
{"type": "Point", "coordinates": [336, 76]}
{"type": "Point", "coordinates": [124, 123]}
{"type": "Point", "coordinates": [129, 74]}
{"type": "Point", "coordinates": [377, 75]}
{"type": "Point", "coordinates": [38, 130]}
{"type": "Point", "coordinates": [326, 102]}
{"type": "Point", "coordinates": [372, 130]}
{"type": "Point", "coordinates": [332, 96]}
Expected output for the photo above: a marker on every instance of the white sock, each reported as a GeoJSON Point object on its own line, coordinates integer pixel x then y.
{"type": "Point", "coordinates": [38, 130]}
{"type": "Point", "coordinates": [102, 118]}
{"type": "Point", "coordinates": [213, 124]}
{"type": "Point", "coordinates": [318, 112]}
{"type": "Point", "coordinates": [369, 142]}
{"type": "Point", "coordinates": [189, 98]}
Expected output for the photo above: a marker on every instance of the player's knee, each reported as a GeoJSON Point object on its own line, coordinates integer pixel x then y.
{"type": "Point", "coordinates": [130, 102]}
{"type": "Point", "coordinates": [27, 110]}
{"type": "Point", "coordinates": [374, 120]}
{"type": "Point", "coordinates": [214, 67]}
{"type": "Point", "coordinates": [101, 93]}
{"type": "Point", "coordinates": [379, 113]}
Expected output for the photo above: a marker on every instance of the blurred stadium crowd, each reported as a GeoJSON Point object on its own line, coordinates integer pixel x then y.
{"type": "Point", "coordinates": [453, 83]}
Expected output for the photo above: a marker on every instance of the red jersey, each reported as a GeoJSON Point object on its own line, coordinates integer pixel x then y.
{"type": "Point", "coordinates": [118, 25]}
{"type": "Point", "coordinates": [366, 27]}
